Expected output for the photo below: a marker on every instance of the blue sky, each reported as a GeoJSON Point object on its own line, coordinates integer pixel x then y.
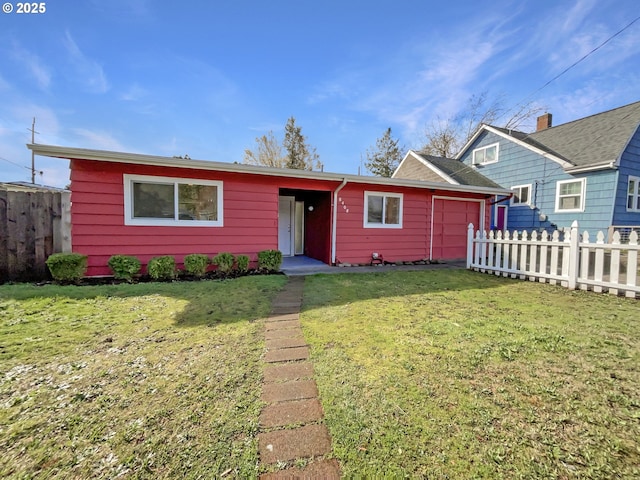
{"type": "Point", "coordinates": [205, 78]}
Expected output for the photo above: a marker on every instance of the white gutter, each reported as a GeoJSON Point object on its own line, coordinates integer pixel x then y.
{"type": "Point", "coordinates": [591, 168]}
{"type": "Point", "coordinates": [334, 220]}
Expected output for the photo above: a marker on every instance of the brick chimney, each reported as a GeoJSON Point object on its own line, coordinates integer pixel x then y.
{"type": "Point", "coordinates": [544, 122]}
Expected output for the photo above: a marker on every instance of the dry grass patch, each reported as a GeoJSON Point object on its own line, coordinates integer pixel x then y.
{"type": "Point", "coordinates": [132, 381]}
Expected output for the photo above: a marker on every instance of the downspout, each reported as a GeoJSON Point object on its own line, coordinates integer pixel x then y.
{"type": "Point", "coordinates": [334, 220]}
{"type": "Point", "coordinates": [613, 206]}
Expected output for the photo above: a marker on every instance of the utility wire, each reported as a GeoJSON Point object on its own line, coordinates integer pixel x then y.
{"type": "Point", "coordinates": [579, 61]}
{"type": "Point", "coordinates": [14, 163]}
{"type": "Point", "coordinates": [470, 167]}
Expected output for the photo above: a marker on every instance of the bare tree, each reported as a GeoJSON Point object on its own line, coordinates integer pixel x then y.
{"type": "Point", "coordinates": [445, 138]}
{"type": "Point", "coordinates": [442, 139]}
{"type": "Point", "coordinates": [268, 152]}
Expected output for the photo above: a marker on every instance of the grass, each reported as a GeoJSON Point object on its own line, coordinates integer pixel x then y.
{"type": "Point", "coordinates": [157, 380]}
{"type": "Point", "coordinates": [455, 374]}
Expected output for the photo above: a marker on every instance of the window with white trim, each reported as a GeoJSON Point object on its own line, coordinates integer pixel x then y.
{"type": "Point", "coordinates": [521, 195]}
{"type": "Point", "coordinates": [158, 201]}
{"type": "Point", "coordinates": [633, 194]}
{"type": "Point", "coordinates": [570, 195]}
{"type": "Point", "coordinates": [382, 210]}
{"type": "Point", "coordinates": [485, 155]}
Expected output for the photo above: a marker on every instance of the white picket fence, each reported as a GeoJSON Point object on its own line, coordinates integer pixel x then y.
{"type": "Point", "coordinates": [568, 259]}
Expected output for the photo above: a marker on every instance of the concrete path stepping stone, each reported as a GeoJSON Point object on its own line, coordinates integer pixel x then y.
{"type": "Point", "coordinates": [280, 318]}
{"type": "Point", "coordinates": [326, 469]}
{"type": "Point", "coordinates": [291, 413]}
{"type": "Point", "coordinates": [294, 390]}
{"type": "Point", "coordinates": [285, 445]}
{"type": "Point", "coordinates": [288, 371]}
{"type": "Point", "coordinates": [287, 354]}
{"type": "Point", "coordinates": [284, 325]}
{"type": "Point", "coordinates": [289, 342]}
{"type": "Point", "coordinates": [283, 333]}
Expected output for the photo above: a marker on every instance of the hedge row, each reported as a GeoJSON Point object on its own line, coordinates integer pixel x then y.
{"type": "Point", "coordinates": [71, 267]}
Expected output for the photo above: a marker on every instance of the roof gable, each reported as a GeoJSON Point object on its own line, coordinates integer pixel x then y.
{"type": "Point", "coordinates": [596, 141]}
{"type": "Point", "coordinates": [448, 169]}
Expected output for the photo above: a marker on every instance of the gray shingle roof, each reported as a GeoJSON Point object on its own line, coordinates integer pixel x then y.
{"type": "Point", "coordinates": [593, 140]}
{"type": "Point", "coordinates": [461, 173]}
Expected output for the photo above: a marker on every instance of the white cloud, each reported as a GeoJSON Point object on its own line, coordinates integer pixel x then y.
{"type": "Point", "coordinates": [572, 20]}
{"type": "Point", "coordinates": [3, 83]}
{"type": "Point", "coordinates": [134, 93]}
{"type": "Point", "coordinates": [88, 70]}
{"type": "Point", "coordinates": [97, 139]}
{"type": "Point", "coordinates": [425, 79]}
{"type": "Point", "coordinates": [22, 115]}
{"type": "Point", "coordinates": [33, 64]}
{"type": "Point", "coordinates": [53, 172]}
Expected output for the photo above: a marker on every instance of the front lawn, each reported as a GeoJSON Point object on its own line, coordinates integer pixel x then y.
{"type": "Point", "coordinates": [455, 374]}
{"type": "Point", "coordinates": [156, 380]}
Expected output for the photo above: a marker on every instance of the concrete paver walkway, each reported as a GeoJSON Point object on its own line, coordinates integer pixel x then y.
{"type": "Point", "coordinates": [291, 427]}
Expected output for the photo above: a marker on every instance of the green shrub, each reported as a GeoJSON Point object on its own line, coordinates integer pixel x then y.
{"type": "Point", "coordinates": [196, 264]}
{"type": "Point", "coordinates": [124, 267]}
{"type": "Point", "coordinates": [224, 262]}
{"type": "Point", "coordinates": [67, 267]}
{"type": "Point", "coordinates": [162, 268]}
{"type": "Point", "coordinates": [242, 261]}
{"type": "Point", "coordinates": [270, 260]}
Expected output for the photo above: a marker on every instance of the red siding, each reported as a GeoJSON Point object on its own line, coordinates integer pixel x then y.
{"type": "Point", "coordinates": [355, 243]}
{"type": "Point", "coordinates": [250, 218]}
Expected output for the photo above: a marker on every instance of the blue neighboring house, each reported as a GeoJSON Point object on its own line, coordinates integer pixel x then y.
{"type": "Point", "coordinates": [586, 170]}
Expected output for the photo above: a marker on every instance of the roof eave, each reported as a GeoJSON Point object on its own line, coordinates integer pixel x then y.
{"type": "Point", "coordinates": [591, 168]}
{"type": "Point", "coordinates": [154, 160]}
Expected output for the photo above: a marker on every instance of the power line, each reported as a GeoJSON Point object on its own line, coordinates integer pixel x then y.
{"type": "Point", "coordinates": [14, 163]}
{"type": "Point", "coordinates": [579, 61]}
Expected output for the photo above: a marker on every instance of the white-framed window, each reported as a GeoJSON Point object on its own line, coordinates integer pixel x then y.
{"type": "Point", "coordinates": [382, 210]}
{"type": "Point", "coordinates": [521, 195]}
{"type": "Point", "coordinates": [633, 194]}
{"type": "Point", "coordinates": [485, 155]}
{"type": "Point", "coordinates": [570, 195]}
{"type": "Point", "coordinates": [167, 201]}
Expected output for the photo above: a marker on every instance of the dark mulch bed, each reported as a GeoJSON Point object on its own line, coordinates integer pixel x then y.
{"type": "Point", "coordinates": [181, 277]}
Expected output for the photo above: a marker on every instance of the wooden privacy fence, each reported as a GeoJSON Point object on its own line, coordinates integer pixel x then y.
{"type": "Point", "coordinates": [33, 225]}
{"type": "Point", "coordinates": [568, 259]}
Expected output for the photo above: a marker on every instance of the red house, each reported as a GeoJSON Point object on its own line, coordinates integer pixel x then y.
{"type": "Point", "coordinates": [144, 205]}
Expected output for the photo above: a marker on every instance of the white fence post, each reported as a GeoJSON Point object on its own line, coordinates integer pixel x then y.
{"type": "Point", "coordinates": [614, 266]}
{"type": "Point", "coordinates": [599, 266]}
{"type": "Point", "coordinates": [469, 245]}
{"type": "Point", "coordinates": [533, 257]}
{"type": "Point", "coordinates": [574, 255]}
{"type": "Point", "coordinates": [544, 248]}
{"type": "Point", "coordinates": [632, 264]}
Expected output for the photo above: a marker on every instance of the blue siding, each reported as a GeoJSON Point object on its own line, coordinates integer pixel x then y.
{"type": "Point", "coordinates": [518, 165]}
{"type": "Point", "coordinates": [629, 165]}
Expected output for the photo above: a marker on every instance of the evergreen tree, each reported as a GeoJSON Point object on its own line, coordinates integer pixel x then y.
{"type": "Point", "coordinates": [385, 157]}
{"type": "Point", "coordinates": [299, 155]}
